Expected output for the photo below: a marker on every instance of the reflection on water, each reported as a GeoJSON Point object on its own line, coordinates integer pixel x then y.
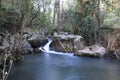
{"type": "Point", "coordinates": [64, 67]}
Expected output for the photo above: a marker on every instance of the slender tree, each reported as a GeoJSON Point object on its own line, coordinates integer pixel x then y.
{"type": "Point", "coordinates": [95, 28]}
{"type": "Point", "coordinates": [56, 15]}
{"type": "Point", "coordinates": [25, 14]}
{"type": "Point", "coordinates": [99, 19]}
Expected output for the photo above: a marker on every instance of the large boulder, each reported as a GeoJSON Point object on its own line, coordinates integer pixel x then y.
{"type": "Point", "coordinates": [66, 42]}
{"type": "Point", "coordinates": [26, 48]}
{"type": "Point", "coordinates": [11, 43]}
{"type": "Point", "coordinates": [37, 41]}
{"type": "Point", "coordinates": [92, 51]}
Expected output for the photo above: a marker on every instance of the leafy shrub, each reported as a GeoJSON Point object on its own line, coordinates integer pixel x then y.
{"type": "Point", "coordinates": [9, 20]}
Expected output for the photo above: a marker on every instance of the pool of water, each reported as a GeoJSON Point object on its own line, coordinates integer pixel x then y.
{"type": "Point", "coordinates": [64, 67]}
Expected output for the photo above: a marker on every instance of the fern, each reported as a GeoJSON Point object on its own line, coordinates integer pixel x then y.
{"type": "Point", "coordinates": [112, 21]}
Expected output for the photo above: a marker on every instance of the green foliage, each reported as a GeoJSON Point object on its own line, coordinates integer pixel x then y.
{"type": "Point", "coordinates": [68, 20]}
{"type": "Point", "coordinates": [67, 48]}
{"type": "Point", "coordinates": [109, 6]}
{"type": "Point", "coordinates": [112, 19]}
{"type": "Point", "coordinates": [84, 19]}
{"type": "Point", "coordinates": [12, 15]}
{"type": "Point", "coordinates": [117, 12]}
{"type": "Point", "coordinates": [13, 11]}
{"type": "Point", "coordinates": [87, 29]}
{"type": "Point", "coordinates": [110, 22]}
{"type": "Point", "coordinates": [51, 30]}
{"type": "Point", "coordinates": [81, 21]}
{"type": "Point", "coordinates": [8, 20]}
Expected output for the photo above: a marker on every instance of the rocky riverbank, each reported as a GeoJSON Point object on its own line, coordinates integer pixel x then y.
{"type": "Point", "coordinates": [75, 43]}
{"type": "Point", "coordinates": [60, 43]}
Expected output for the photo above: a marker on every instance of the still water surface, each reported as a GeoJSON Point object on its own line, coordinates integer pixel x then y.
{"type": "Point", "coordinates": [64, 67]}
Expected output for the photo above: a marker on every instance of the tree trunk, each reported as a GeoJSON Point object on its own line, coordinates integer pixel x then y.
{"type": "Point", "coordinates": [24, 24]}
{"type": "Point", "coordinates": [44, 10]}
{"type": "Point", "coordinates": [54, 14]}
{"type": "Point", "coordinates": [61, 14]}
{"type": "Point", "coordinates": [99, 19]}
{"type": "Point", "coordinates": [43, 1]}
{"type": "Point", "coordinates": [33, 17]}
{"type": "Point", "coordinates": [95, 28]}
{"type": "Point", "coordinates": [22, 30]}
{"type": "Point", "coordinates": [58, 16]}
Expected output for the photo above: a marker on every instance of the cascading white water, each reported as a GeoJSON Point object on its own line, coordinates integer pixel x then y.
{"type": "Point", "coordinates": [46, 49]}
{"type": "Point", "coordinates": [47, 46]}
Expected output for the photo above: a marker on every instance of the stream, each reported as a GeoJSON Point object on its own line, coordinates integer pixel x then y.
{"type": "Point", "coordinates": [48, 66]}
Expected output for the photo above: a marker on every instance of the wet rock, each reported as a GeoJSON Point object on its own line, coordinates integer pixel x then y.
{"type": "Point", "coordinates": [114, 54]}
{"type": "Point", "coordinates": [37, 41]}
{"type": "Point", "coordinates": [92, 51]}
{"type": "Point", "coordinates": [37, 50]}
{"type": "Point", "coordinates": [110, 55]}
{"type": "Point", "coordinates": [67, 43]}
{"type": "Point", "coordinates": [62, 45]}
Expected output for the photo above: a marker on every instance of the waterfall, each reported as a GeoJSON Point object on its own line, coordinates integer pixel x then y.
{"type": "Point", "coordinates": [47, 46]}
{"type": "Point", "coordinates": [46, 49]}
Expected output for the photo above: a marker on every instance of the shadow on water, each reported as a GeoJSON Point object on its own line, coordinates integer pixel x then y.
{"type": "Point", "coordinates": [64, 67]}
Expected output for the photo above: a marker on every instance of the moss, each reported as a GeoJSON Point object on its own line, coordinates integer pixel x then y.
{"type": "Point", "coordinates": [67, 49]}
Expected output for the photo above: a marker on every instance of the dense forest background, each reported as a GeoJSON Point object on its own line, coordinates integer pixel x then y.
{"type": "Point", "coordinates": [98, 21]}
{"type": "Point", "coordinates": [84, 17]}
